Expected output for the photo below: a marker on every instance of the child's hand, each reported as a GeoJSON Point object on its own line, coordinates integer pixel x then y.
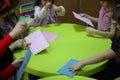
{"type": "Point", "coordinates": [48, 5]}
{"type": "Point", "coordinates": [19, 44]}
{"type": "Point", "coordinates": [32, 22]}
{"type": "Point", "coordinates": [83, 14]}
{"type": "Point", "coordinates": [91, 30]}
{"type": "Point", "coordinates": [19, 29]}
{"type": "Point", "coordinates": [18, 62]}
{"type": "Point", "coordinates": [75, 67]}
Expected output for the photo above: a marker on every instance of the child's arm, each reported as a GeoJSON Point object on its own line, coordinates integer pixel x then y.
{"type": "Point", "coordinates": [108, 34]}
{"type": "Point", "coordinates": [20, 43]}
{"type": "Point", "coordinates": [10, 70]}
{"type": "Point", "coordinates": [41, 13]}
{"type": "Point", "coordinates": [94, 19]}
{"type": "Point", "coordinates": [99, 58]}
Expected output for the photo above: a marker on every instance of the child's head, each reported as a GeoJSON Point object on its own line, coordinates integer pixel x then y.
{"type": "Point", "coordinates": [116, 14]}
{"type": "Point", "coordinates": [6, 6]}
{"type": "Point", "coordinates": [109, 3]}
{"type": "Point", "coordinates": [43, 2]}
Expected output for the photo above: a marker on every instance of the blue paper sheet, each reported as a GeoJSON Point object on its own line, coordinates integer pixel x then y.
{"type": "Point", "coordinates": [64, 70]}
{"type": "Point", "coordinates": [24, 64]}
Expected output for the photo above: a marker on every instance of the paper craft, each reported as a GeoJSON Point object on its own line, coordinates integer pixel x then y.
{"type": "Point", "coordinates": [23, 65]}
{"type": "Point", "coordinates": [49, 36]}
{"type": "Point", "coordinates": [38, 42]}
{"type": "Point", "coordinates": [84, 19]}
{"type": "Point", "coordinates": [25, 19]}
{"type": "Point", "coordinates": [65, 69]}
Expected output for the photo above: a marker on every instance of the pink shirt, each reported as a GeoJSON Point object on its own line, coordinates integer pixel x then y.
{"type": "Point", "coordinates": [105, 19]}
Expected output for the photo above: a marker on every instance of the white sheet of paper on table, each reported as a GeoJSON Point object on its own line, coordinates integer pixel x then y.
{"type": "Point", "coordinates": [84, 19]}
{"type": "Point", "coordinates": [38, 42]}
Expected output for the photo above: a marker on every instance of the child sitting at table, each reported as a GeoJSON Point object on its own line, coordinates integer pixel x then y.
{"type": "Point", "coordinates": [46, 12]}
{"type": "Point", "coordinates": [9, 70]}
{"type": "Point", "coordinates": [106, 26]}
{"type": "Point", "coordinates": [112, 71]}
{"type": "Point", "coordinates": [5, 9]}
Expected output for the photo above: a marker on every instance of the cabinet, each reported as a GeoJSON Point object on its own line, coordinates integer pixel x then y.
{"type": "Point", "coordinates": [90, 7]}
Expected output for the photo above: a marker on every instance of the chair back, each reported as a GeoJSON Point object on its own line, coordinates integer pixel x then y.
{"type": "Point", "coordinates": [27, 9]}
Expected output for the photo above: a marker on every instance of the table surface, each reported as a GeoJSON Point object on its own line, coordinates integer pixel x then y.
{"type": "Point", "coordinates": [73, 43]}
{"type": "Point", "coordinates": [66, 78]}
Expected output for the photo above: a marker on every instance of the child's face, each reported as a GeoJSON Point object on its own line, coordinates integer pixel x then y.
{"type": "Point", "coordinates": [43, 2]}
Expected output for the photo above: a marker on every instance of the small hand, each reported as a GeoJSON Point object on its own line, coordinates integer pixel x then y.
{"type": "Point", "coordinates": [32, 22]}
{"type": "Point", "coordinates": [83, 14]}
{"type": "Point", "coordinates": [75, 67]}
{"type": "Point", "coordinates": [21, 43]}
{"type": "Point", "coordinates": [19, 29]}
{"type": "Point", "coordinates": [48, 5]}
{"type": "Point", "coordinates": [18, 62]}
{"type": "Point", "coordinates": [91, 30]}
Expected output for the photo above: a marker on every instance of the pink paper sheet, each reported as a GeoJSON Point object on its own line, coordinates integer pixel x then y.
{"type": "Point", "coordinates": [38, 42]}
{"type": "Point", "coordinates": [84, 19]}
{"type": "Point", "coordinates": [49, 36]}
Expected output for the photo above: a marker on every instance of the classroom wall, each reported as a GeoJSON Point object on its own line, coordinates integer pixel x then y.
{"type": "Point", "coordinates": [88, 6]}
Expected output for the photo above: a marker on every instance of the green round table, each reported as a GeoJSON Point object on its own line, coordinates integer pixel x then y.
{"type": "Point", "coordinates": [66, 78]}
{"type": "Point", "coordinates": [73, 43]}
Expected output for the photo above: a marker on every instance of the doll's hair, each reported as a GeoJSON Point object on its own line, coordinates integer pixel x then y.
{"type": "Point", "coordinates": [38, 2]}
{"type": "Point", "coordinates": [116, 14]}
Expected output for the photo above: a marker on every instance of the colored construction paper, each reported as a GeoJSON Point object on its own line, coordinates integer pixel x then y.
{"type": "Point", "coordinates": [65, 69]}
{"type": "Point", "coordinates": [38, 42]}
{"type": "Point", "coordinates": [23, 65]}
{"type": "Point", "coordinates": [84, 19]}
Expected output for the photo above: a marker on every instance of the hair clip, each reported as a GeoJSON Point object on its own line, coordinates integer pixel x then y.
{"type": "Point", "coordinates": [6, 4]}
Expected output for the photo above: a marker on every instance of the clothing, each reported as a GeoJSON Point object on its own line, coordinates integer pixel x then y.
{"type": "Point", "coordinates": [116, 46]}
{"type": "Point", "coordinates": [6, 26]}
{"type": "Point", "coordinates": [112, 71]}
{"type": "Point", "coordinates": [6, 71]}
{"type": "Point", "coordinates": [105, 19]}
{"type": "Point", "coordinates": [45, 17]}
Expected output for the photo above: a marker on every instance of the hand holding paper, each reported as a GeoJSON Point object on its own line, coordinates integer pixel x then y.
{"type": "Point", "coordinates": [23, 65]}
{"type": "Point", "coordinates": [84, 19]}
{"type": "Point", "coordinates": [38, 42]}
{"type": "Point", "coordinates": [65, 69]}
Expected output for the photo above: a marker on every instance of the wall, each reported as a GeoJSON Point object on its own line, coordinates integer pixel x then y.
{"type": "Point", "coordinates": [87, 6]}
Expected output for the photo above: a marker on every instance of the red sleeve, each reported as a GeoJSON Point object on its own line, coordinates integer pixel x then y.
{"type": "Point", "coordinates": [7, 73]}
{"type": "Point", "coordinates": [4, 44]}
